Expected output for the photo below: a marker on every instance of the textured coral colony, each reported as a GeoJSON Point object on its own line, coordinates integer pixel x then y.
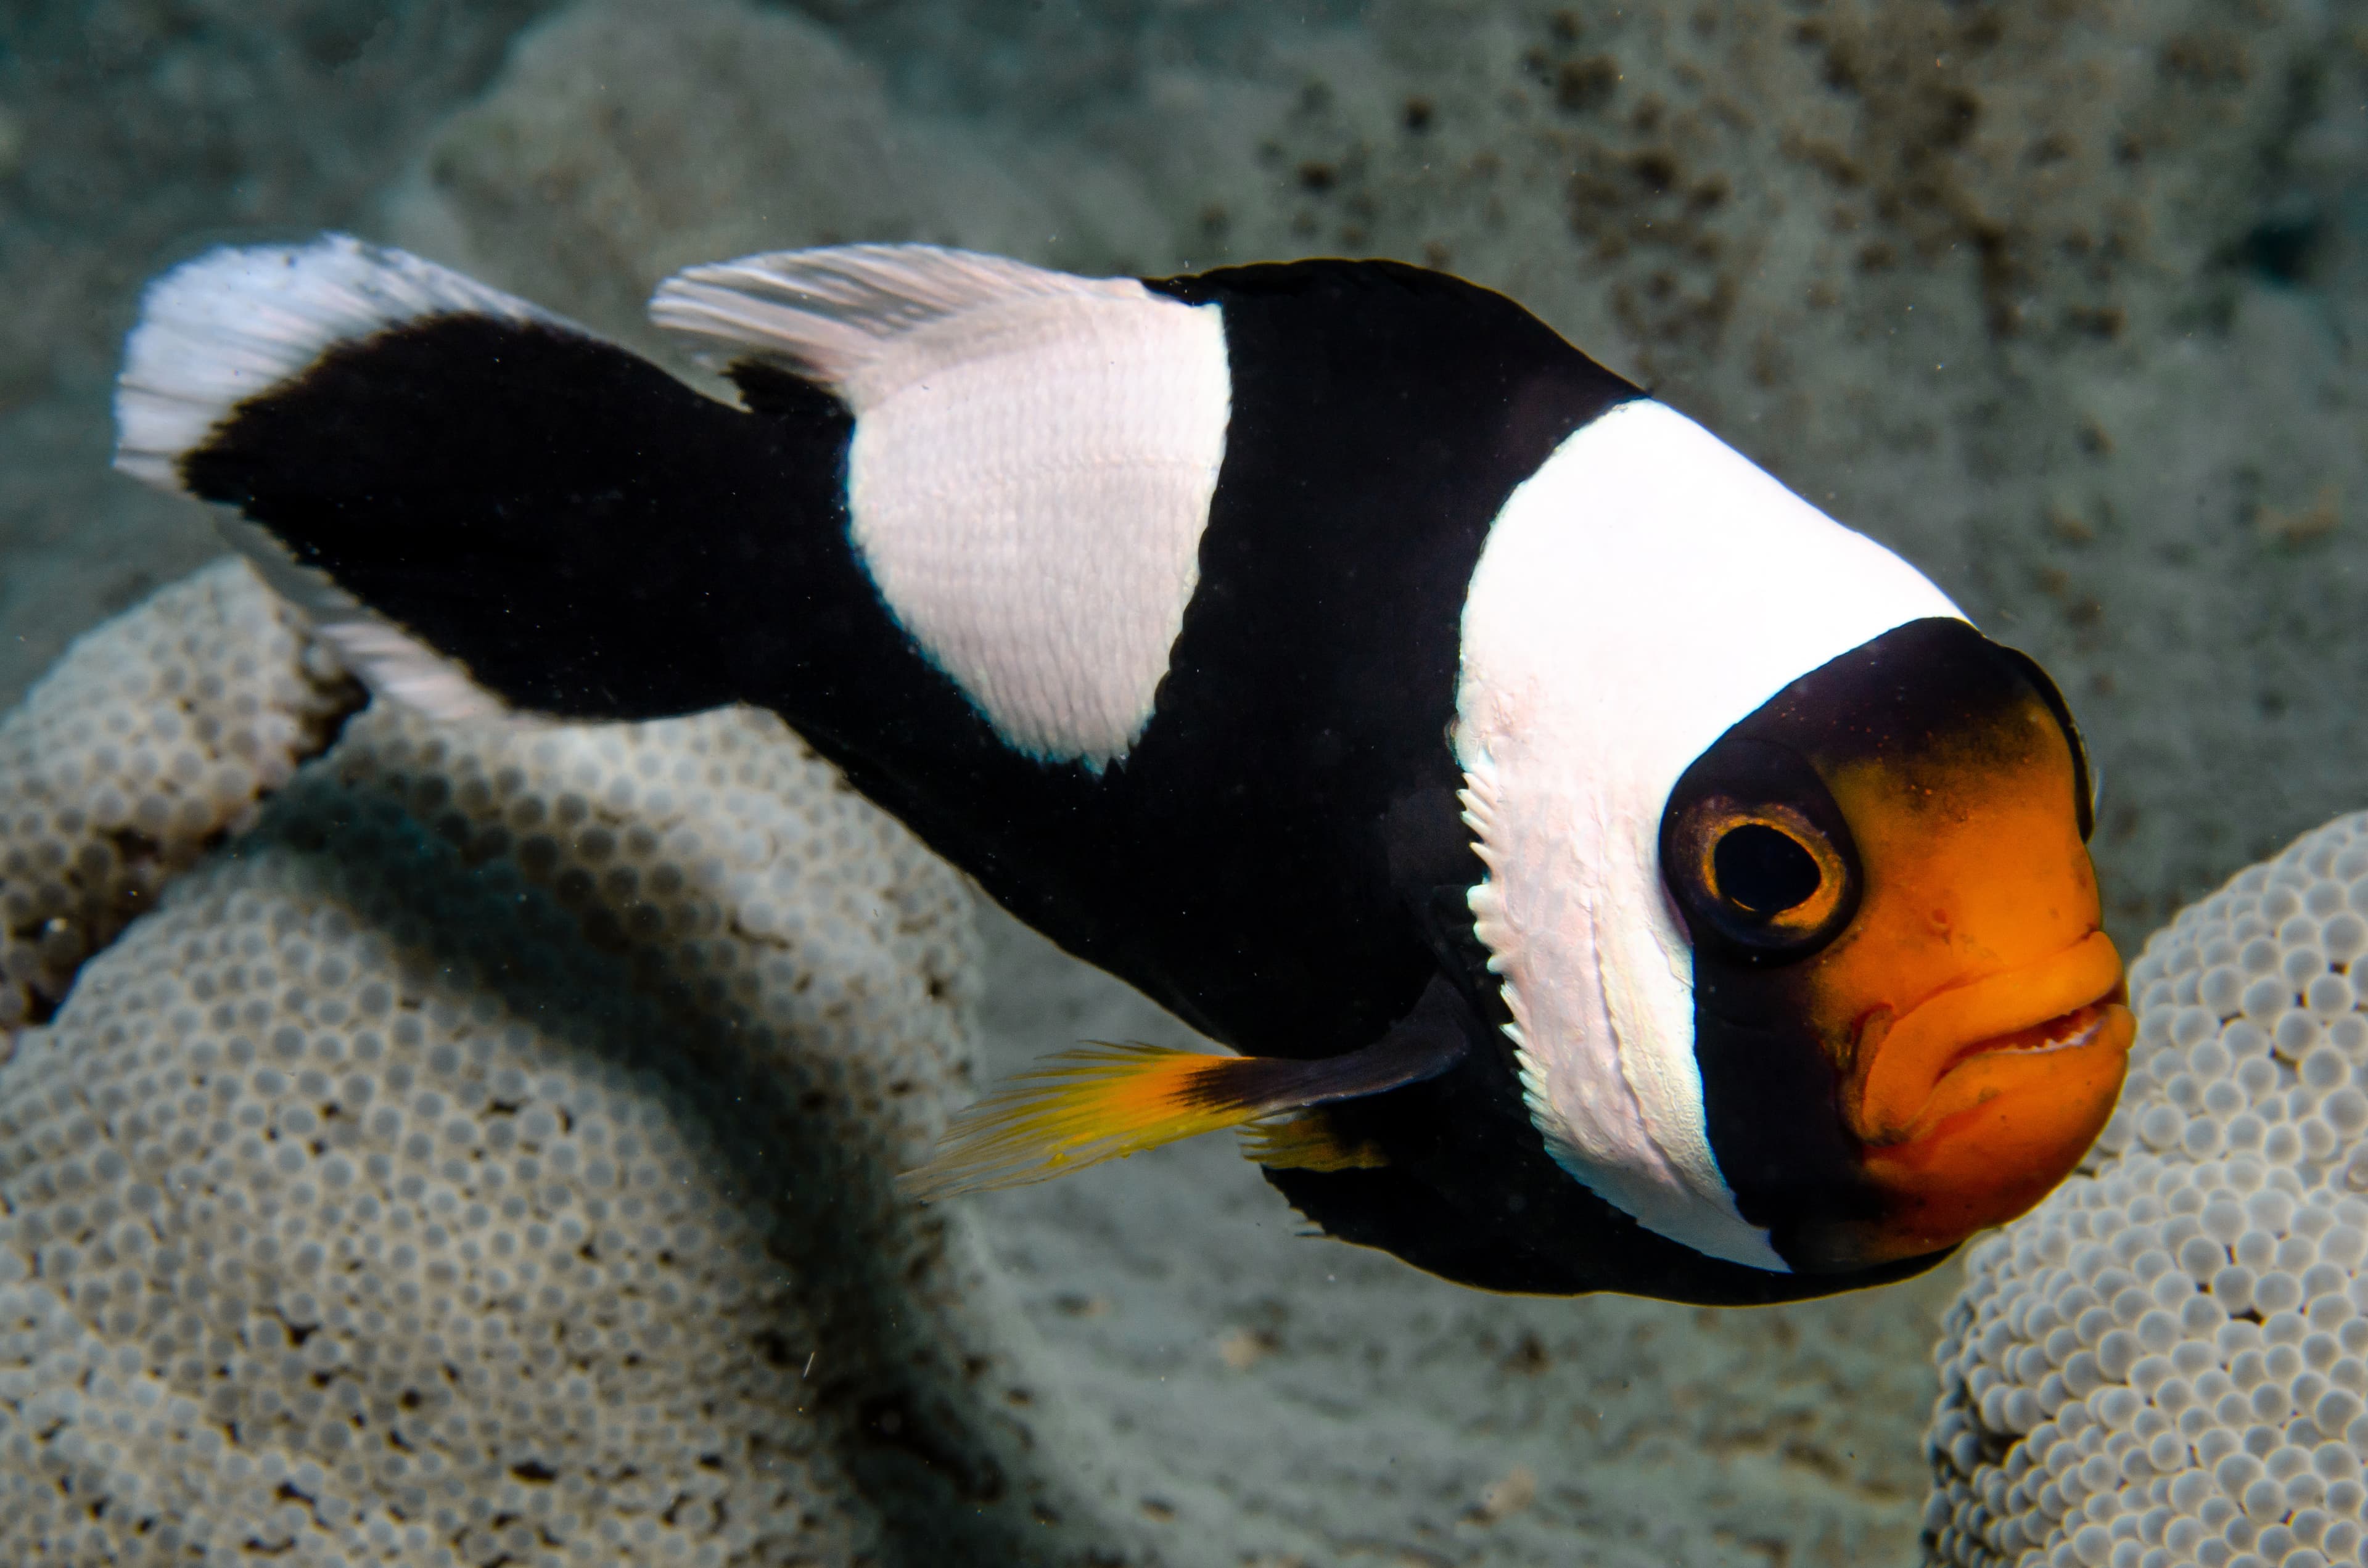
{"type": "Point", "coordinates": [468, 1163]}
{"type": "Point", "coordinates": [2164, 1363]}
{"type": "Point", "coordinates": [175, 725]}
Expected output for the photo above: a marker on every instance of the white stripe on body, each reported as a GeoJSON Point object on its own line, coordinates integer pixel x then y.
{"type": "Point", "coordinates": [1033, 460]}
{"type": "Point", "coordinates": [1646, 590]}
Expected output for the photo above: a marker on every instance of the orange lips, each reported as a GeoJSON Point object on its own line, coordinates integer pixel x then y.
{"type": "Point", "coordinates": [1917, 1071]}
{"type": "Point", "coordinates": [1978, 1101]}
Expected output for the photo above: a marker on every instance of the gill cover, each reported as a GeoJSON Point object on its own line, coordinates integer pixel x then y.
{"type": "Point", "coordinates": [1908, 1021]}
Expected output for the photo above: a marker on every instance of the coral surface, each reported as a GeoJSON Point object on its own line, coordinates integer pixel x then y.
{"type": "Point", "coordinates": [2167, 1362]}
{"type": "Point", "coordinates": [156, 735]}
{"type": "Point", "coordinates": [486, 1152]}
{"type": "Point", "coordinates": [487, 1160]}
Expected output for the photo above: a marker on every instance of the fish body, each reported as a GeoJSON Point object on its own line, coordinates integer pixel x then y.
{"type": "Point", "coordinates": [1607, 868]}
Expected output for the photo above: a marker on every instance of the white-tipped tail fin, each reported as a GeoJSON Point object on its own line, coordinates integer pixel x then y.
{"type": "Point", "coordinates": [235, 321]}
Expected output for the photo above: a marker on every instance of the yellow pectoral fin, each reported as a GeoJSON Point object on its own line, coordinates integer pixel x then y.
{"type": "Point", "coordinates": [1105, 1102]}
{"type": "Point", "coordinates": [1101, 1102]}
{"type": "Point", "coordinates": [1307, 1141]}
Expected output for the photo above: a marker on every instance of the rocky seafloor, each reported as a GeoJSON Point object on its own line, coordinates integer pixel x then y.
{"type": "Point", "coordinates": [2059, 299]}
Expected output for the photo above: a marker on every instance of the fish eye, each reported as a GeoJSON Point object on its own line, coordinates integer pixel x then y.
{"type": "Point", "coordinates": [1756, 856]}
{"type": "Point", "coordinates": [1762, 875]}
{"type": "Point", "coordinates": [1763, 870]}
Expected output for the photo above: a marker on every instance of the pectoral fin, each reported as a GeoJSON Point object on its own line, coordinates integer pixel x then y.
{"type": "Point", "coordinates": [1105, 1102]}
{"type": "Point", "coordinates": [1307, 1141]}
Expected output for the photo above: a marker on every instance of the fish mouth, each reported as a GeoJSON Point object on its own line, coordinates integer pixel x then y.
{"type": "Point", "coordinates": [2068, 1033]}
{"type": "Point", "coordinates": [1915, 1069]}
{"type": "Point", "coordinates": [1973, 1105]}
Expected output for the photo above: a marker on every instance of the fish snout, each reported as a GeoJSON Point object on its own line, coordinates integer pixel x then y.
{"type": "Point", "coordinates": [1973, 1103]}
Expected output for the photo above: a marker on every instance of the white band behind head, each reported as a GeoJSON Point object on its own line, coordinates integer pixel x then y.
{"type": "Point", "coordinates": [1643, 592]}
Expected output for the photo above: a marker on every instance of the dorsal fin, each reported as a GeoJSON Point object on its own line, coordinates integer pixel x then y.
{"type": "Point", "coordinates": [830, 314]}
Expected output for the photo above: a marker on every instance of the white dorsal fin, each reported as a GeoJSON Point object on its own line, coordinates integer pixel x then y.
{"type": "Point", "coordinates": [828, 313]}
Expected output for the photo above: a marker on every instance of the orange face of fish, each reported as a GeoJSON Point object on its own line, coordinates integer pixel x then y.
{"type": "Point", "coordinates": [1973, 1007]}
{"type": "Point", "coordinates": [1909, 1023]}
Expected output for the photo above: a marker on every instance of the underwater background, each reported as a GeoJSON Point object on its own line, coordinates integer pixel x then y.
{"type": "Point", "coordinates": [2061, 299]}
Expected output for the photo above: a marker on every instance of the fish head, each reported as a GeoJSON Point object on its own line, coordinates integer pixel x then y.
{"type": "Point", "coordinates": [1908, 1021]}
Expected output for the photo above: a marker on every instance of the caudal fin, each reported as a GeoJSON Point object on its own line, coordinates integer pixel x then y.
{"type": "Point", "coordinates": [479, 496]}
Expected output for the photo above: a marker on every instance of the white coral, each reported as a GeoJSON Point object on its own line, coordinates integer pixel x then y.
{"type": "Point", "coordinates": [2163, 1363]}
{"type": "Point", "coordinates": [486, 1159]}
{"type": "Point", "coordinates": [156, 735]}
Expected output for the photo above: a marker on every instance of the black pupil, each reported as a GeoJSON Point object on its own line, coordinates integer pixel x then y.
{"type": "Point", "coordinates": [1763, 871]}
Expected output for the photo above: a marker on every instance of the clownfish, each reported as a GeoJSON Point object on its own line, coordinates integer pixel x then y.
{"type": "Point", "coordinates": [1610, 872]}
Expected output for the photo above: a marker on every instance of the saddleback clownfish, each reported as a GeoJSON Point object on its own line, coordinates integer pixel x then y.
{"type": "Point", "coordinates": [1613, 873]}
